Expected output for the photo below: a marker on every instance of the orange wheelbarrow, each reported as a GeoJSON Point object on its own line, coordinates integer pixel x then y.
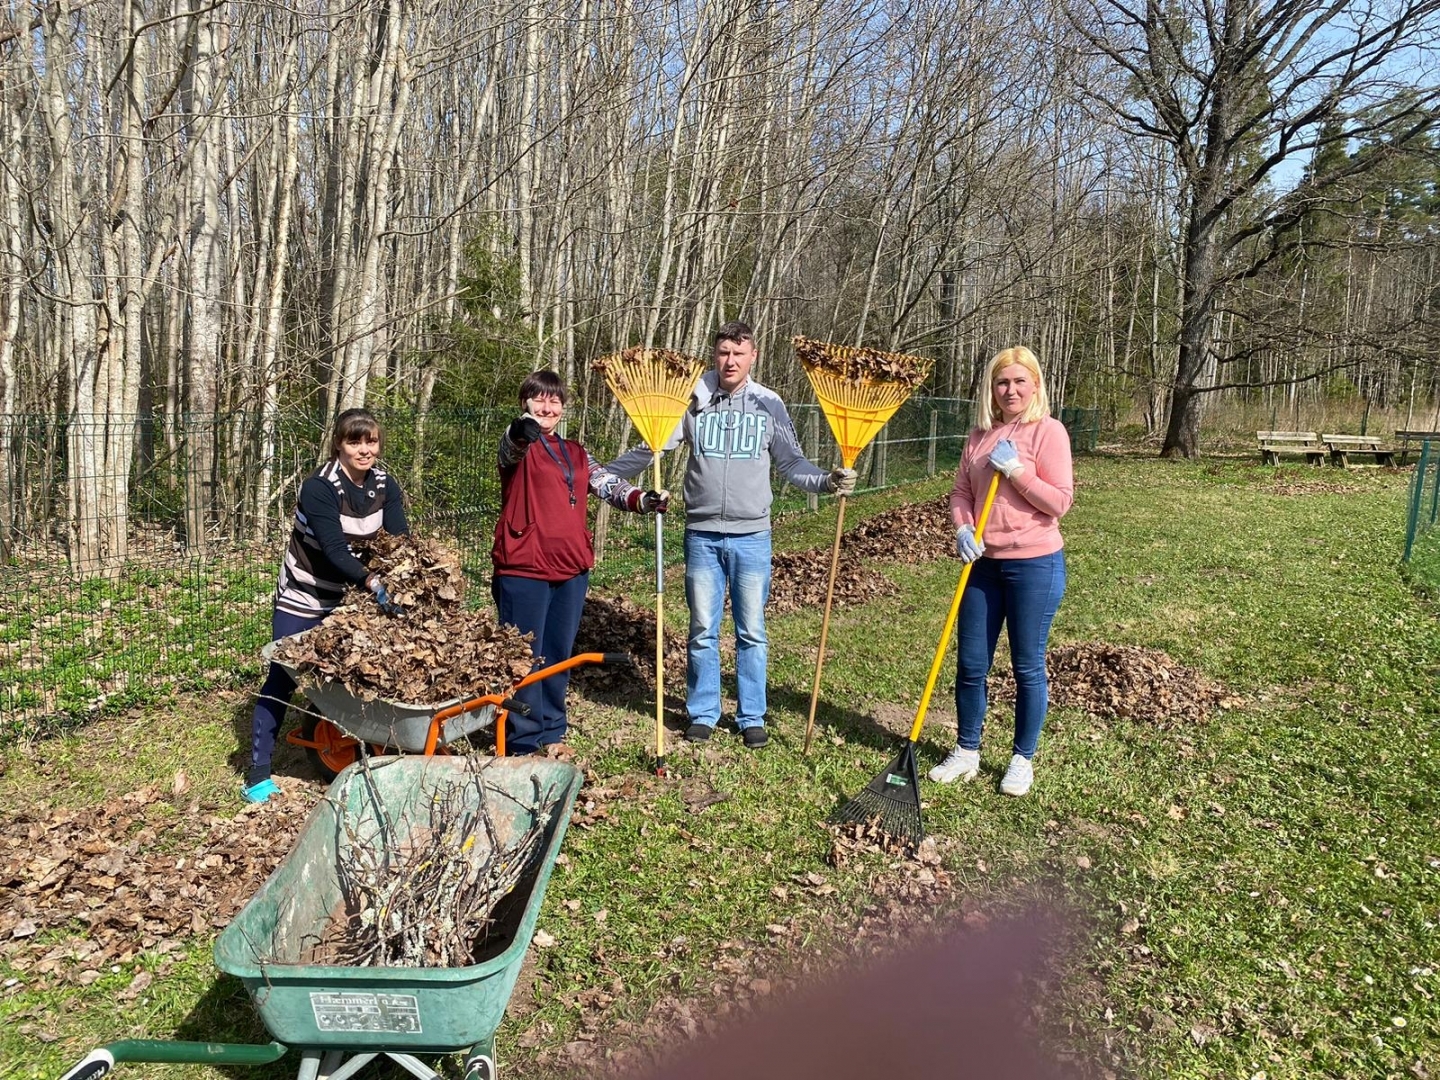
{"type": "Point", "coordinates": [332, 739]}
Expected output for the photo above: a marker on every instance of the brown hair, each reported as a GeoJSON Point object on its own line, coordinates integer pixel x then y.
{"type": "Point", "coordinates": [542, 384]}
{"type": "Point", "coordinates": [352, 425]}
{"type": "Point", "coordinates": [736, 331]}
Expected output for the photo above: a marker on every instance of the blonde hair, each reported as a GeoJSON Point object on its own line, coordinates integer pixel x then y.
{"type": "Point", "coordinates": [1039, 407]}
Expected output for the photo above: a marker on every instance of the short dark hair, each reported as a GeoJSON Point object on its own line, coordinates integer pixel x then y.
{"type": "Point", "coordinates": [352, 425]}
{"type": "Point", "coordinates": [542, 384]}
{"type": "Point", "coordinates": [735, 330]}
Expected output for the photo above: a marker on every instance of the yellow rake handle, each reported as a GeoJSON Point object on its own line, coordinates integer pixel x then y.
{"type": "Point", "coordinates": [954, 614]}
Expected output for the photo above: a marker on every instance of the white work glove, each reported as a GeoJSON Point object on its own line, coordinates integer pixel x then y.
{"type": "Point", "coordinates": [967, 545]}
{"type": "Point", "coordinates": [1005, 459]}
{"type": "Point", "coordinates": [842, 481]}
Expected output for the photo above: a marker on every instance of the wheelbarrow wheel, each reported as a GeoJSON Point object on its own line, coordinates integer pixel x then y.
{"type": "Point", "coordinates": [333, 749]}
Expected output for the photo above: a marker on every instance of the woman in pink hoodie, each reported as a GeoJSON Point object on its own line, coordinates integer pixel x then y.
{"type": "Point", "coordinates": [1019, 572]}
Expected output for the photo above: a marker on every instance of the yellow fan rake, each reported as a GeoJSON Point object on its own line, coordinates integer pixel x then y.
{"type": "Point", "coordinates": [654, 387]}
{"type": "Point", "coordinates": [859, 390]}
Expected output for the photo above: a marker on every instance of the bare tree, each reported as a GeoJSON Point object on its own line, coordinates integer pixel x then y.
{"type": "Point", "coordinates": [1237, 90]}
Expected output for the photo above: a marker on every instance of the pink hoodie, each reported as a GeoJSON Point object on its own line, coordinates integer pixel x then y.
{"type": "Point", "coordinates": [1025, 521]}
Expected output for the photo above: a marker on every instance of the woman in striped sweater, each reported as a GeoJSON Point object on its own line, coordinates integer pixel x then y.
{"type": "Point", "coordinates": [345, 501]}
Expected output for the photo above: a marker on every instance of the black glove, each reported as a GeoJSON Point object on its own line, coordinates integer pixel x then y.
{"type": "Point", "coordinates": [655, 502]}
{"type": "Point", "coordinates": [524, 430]}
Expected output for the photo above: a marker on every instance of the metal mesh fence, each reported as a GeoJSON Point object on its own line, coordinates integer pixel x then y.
{"type": "Point", "coordinates": [179, 594]}
{"type": "Point", "coordinates": [1422, 539]}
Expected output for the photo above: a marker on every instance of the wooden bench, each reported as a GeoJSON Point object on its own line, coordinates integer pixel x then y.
{"type": "Point", "coordinates": [1342, 446]}
{"type": "Point", "coordinates": [1406, 436]}
{"type": "Point", "coordinates": [1275, 443]}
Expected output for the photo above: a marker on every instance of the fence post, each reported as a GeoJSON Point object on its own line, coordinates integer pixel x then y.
{"type": "Point", "coordinates": [930, 449]}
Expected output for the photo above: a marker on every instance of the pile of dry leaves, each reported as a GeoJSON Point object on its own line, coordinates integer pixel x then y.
{"type": "Point", "coordinates": [799, 580]}
{"type": "Point", "coordinates": [612, 624]}
{"type": "Point", "coordinates": [1125, 681]}
{"type": "Point", "coordinates": [907, 534]}
{"type": "Point", "coordinates": [432, 650]}
{"type": "Point", "coordinates": [141, 873]}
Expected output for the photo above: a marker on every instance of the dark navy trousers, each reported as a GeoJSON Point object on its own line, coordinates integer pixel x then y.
{"type": "Point", "coordinates": [551, 611]}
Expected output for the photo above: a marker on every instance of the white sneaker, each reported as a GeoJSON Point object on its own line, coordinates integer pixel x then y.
{"type": "Point", "coordinates": [1018, 777]}
{"type": "Point", "coordinates": [961, 764]}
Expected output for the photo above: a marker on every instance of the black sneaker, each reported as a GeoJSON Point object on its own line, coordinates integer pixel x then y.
{"type": "Point", "coordinates": [698, 732]}
{"type": "Point", "coordinates": [755, 737]}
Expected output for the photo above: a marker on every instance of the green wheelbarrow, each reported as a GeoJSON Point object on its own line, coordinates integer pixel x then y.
{"type": "Point", "coordinates": [338, 1019]}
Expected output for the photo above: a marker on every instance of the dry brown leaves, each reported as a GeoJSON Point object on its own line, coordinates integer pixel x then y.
{"type": "Point", "coordinates": [139, 873]}
{"type": "Point", "coordinates": [909, 534]}
{"type": "Point", "coordinates": [614, 624]}
{"type": "Point", "coordinates": [634, 361]}
{"type": "Point", "coordinates": [432, 651]}
{"type": "Point", "coordinates": [799, 580]}
{"type": "Point", "coordinates": [858, 364]}
{"type": "Point", "coordinates": [418, 572]}
{"type": "Point", "coordinates": [1127, 682]}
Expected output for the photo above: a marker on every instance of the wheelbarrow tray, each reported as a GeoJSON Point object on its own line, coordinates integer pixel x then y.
{"type": "Point", "coordinates": [402, 724]}
{"type": "Point", "coordinates": [419, 1010]}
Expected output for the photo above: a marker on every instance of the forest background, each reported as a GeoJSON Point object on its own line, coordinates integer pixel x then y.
{"type": "Point", "coordinates": [217, 217]}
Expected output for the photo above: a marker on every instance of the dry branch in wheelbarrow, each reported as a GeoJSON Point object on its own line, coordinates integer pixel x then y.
{"type": "Point", "coordinates": [432, 651]}
{"type": "Point", "coordinates": [434, 897]}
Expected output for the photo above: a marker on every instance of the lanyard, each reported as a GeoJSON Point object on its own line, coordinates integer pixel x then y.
{"type": "Point", "coordinates": [566, 468]}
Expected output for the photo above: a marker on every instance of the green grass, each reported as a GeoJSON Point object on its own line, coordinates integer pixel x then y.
{"type": "Point", "coordinates": [1279, 862]}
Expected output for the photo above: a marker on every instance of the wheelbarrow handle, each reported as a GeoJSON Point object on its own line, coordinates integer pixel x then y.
{"type": "Point", "coordinates": [99, 1062]}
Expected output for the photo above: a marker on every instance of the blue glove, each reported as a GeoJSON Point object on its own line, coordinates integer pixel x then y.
{"type": "Point", "coordinates": [967, 545]}
{"type": "Point", "coordinates": [382, 597]}
{"type": "Point", "coordinates": [1005, 459]}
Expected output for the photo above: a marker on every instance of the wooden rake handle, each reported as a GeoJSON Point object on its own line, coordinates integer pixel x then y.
{"type": "Point", "coordinates": [954, 614]}
{"type": "Point", "coordinates": [825, 622]}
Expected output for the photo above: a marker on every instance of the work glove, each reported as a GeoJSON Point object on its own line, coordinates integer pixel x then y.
{"type": "Point", "coordinates": [842, 481]}
{"type": "Point", "coordinates": [1005, 459]}
{"type": "Point", "coordinates": [524, 430]}
{"type": "Point", "coordinates": [382, 596]}
{"type": "Point", "coordinates": [648, 502]}
{"type": "Point", "coordinates": [967, 545]}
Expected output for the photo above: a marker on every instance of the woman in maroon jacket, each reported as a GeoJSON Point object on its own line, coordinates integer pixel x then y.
{"type": "Point", "coordinates": [543, 550]}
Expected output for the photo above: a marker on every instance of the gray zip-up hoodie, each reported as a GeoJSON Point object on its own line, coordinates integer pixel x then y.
{"type": "Point", "coordinates": [733, 440]}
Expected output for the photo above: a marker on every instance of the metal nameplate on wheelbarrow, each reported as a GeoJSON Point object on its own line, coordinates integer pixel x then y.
{"type": "Point", "coordinates": [392, 1013]}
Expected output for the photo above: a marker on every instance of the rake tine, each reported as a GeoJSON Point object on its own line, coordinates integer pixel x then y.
{"type": "Point", "coordinates": [891, 801]}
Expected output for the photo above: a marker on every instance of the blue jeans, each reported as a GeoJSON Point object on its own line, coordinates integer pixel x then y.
{"type": "Point", "coordinates": [1024, 594]}
{"type": "Point", "coordinates": [717, 563]}
{"type": "Point", "coordinates": [551, 611]}
{"type": "Point", "coordinates": [274, 698]}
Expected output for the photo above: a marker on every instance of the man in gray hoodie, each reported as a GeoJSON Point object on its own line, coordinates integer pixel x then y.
{"type": "Point", "coordinates": [735, 428]}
